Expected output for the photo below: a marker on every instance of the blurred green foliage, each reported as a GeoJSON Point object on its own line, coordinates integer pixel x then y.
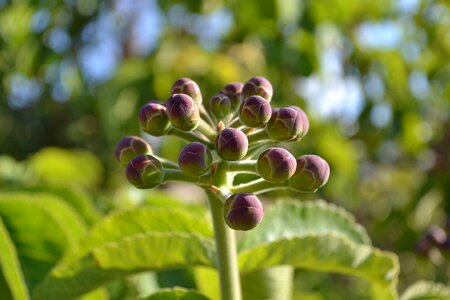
{"type": "Point", "coordinates": [373, 76]}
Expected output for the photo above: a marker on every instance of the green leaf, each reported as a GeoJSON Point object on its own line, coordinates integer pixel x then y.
{"type": "Point", "coordinates": [42, 227]}
{"type": "Point", "coordinates": [129, 242]}
{"type": "Point", "coordinates": [327, 252]}
{"type": "Point", "coordinates": [176, 294]}
{"type": "Point", "coordinates": [425, 290]}
{"type": "Point", "coordinates": [10, 273]}
{"type": "Point", "coordinates": [320, 237]}
{"type": "Point", "coordinates": [73, 196]}
{"type": "Point", "coordinates": [294, 219]}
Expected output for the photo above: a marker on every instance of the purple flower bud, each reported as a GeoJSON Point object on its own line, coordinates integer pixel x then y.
{"type": "Point", "coordinates": [183, 112]}
{"type": "Point", "coordinates": [233, 91]}
{"type": "Point", "coordinates": [219, 105]}
{"type": "Point", "coordinates": [153, 119]}
{"type": "Point", "coordinates": [259, 86]}
{"type": "Point", "coordinates": [129, 147]}
{"type": "Point", "coordinates": [189, 87]}
{"type": "Point", "coordinates": [255, 111]}
{"type": "Point", "coordinates": [304, 122]}
{"type": "Point", "coordinates": [145, 171]}
{"type": "Point", "coordinates": [195, 159]}
{"type": "Point", "coordinates": [312, 173]}
{"type": "Point", "coordinates": [276, 164]}
{"type": "Point", "coordinates": [287, 124]}
{"type": "Point", "coordinates": [243, 211]}
{"type": "Point", "coordinates": [231, 144]}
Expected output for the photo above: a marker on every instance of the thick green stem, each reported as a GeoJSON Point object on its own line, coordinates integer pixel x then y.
{"type": "Point", "coordinates": [168, 164]}
{"type": "Point", "coordinates": [190, 137]}
{"type": "Point", "coordinates": [205, 129]}
{"type": "Point", "coordinates": [177, 175]}
{"type": "Point", "coordinates": [205, 115]}
{"type": "Point", "coordinates": [256, 136]}
{"type": "Point", "coordinates": [258, 186]}
{"type": "Point", "coordinates": [247, 166]}
{"type": "Point", "coordinates": [230, 285]}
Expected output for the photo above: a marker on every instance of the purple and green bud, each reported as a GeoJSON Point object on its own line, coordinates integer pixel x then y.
{"type": "Point", "coordinates": [189, 87]}
{"type": "Point", "coordinates": [129, 147]}
{"type": "Point", "coordinates": [287, 124]}
{"type": "Point", "coordinates": [220, 105]}
{"type": "Point", "coordinates": [233, 92]}
{"type": "Point", "coordinates": [276, 164]}
{"type": "Point", "coordinates": [153, 119]}
{"type": "Point", "coordinates": [195, 159]}
{"type": "Point", "coordinates": [145, 171]}
{"type": "Point", "coordinates": [231, 144]}
{"type": "Point", "coordinates": [243, 211]}
{"type": "Point", "coordinates": [304, 122]}
{"type": "Point", "coordinates": [312, 172]}
{"type": "Point", "coordinates": [255, 111]}
{"type": "Point", "coordinates": [258, 86]}
{"type": "Point", "coordinates": [183, 112]}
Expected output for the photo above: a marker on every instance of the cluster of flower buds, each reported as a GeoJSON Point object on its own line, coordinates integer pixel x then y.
{"type": "Point", "coordinates": [236, 131]}
{"type": "Point", "coordinates": [435, 238]}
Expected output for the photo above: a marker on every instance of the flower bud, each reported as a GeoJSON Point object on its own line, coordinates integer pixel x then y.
{"type": "Point", "coordinates": [220, 105]}
{"type": "Point", "coordinates": [243, 211]}
{"type": "Point", "coordinates": [231, 144]}
{"type": "Point", "coordinates": [255, 111]}
{"type": "Point", "coordinates": [259, 86]}
{"type": "Point", "coordinates": [312, 172]}
{"type": "Point", "coordinates": [304, 122]}
{"type": "Point", "coordinates": [195, 159]}
{"type": "Point", "coordinates": [233, 91]}
{"type": "Point", "coordinates": [183, 112]}
{"type": "Point", "coordinates": [276, 164]}
{"type": "Point", "coordinates": [153, 119]}
{"type": "Point", "coordinates": [287, 124]}
{"type": "Point", "coordinates": [129, 147]}
{"type": "Point", "coordinates": [189, 87]}
{"type": "Point", "coordinates": [145, 171]}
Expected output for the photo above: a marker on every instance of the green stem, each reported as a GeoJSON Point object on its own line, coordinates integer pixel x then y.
{"type": "Point", "coordinates": [190, 137]}
{"type": "Point", "coordinates": [257, 136]}
{"type": "Point", "coordinates": [235, 123]}
{"type": "Point", "coordinates": [248, 166]}
{"type": "Point", "coordinates": [205, 115]}
{"type": "Point", "coordinates": [168, 164]}
{"type": "Point", "coordinates": [230, 285]}
{"type": "Point", "coordinates": [177, 175]}
{"type": "Point", "coordinates": [258, 186]}
{"type": "Point", "coordinates": [206, 130]}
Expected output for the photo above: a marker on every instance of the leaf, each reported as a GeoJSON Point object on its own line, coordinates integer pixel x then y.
{"type": "Point", "coordinates": [73, 196]}
{"type": "Point", "coordinates": [10, 272]}
{"type": "Point", "coordinates": [327, 252]}
{"type": "Point", "coordinates": [176, 294]}
{"type": "Point", "coordinates": [426, 290]}
{"type": "Point", "coordinates": [143, 220]}
{"type": "Point", "coordinates": [129, 242]}
{"type": "Point", "coordinates": [42, 227]}
{"type": "Point", "coordinates": [294, 219]}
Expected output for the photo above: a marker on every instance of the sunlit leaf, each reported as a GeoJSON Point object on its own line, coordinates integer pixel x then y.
{"type": "Point", "coordinates": [327, 253]}
{"type": "Point", "coordinates": [130, 242]}
{"type": "Point", "coordinates": [42, 227]}
{"type": "Point", "coordinates": [425, 290]}
{"type": "Point", "coordinates": [293, 219]}
{"type": "Point", "coordinates": [12, 283]}
{"type": "Point", "coordinates": [319, 237]}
